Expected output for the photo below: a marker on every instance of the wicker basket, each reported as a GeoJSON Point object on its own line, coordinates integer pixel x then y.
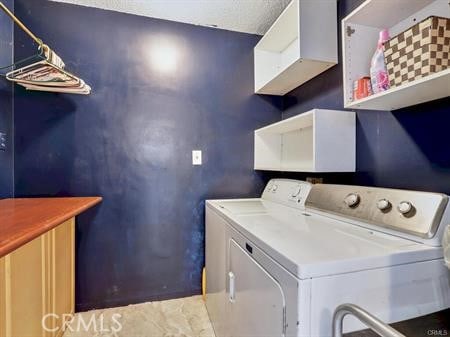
{"type": "Point", "coordinates": [419, 51]}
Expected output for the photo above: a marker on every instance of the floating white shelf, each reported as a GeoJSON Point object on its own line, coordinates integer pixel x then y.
{"type": "Point", "coordinates": [315, 141]}
{"type": "Point", "coordinates": [360, 31]}
{"type": "Point", "coordinates": [422, 90]}
{"type": "Point", "coordinates": [301, 44]}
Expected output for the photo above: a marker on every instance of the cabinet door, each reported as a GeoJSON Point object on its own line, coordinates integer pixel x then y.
{"type": "Point", "coordinates": [3, 300]}
{"type": "Point", "coordinates": [256, 300]}
{"type": "Point", "coordinates": [63, 270]}
{"type": "Point", "coordinates": [22, 286]}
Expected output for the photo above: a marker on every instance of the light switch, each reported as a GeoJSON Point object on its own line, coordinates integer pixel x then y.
{"type": "Point", "coordinates": [196, 157]}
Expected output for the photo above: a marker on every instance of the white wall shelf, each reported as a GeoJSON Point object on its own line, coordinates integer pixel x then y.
{"type": "Point", "coordinates": [301, 44]}
{"type": "Point", "coordinates": [315, 141]}
{"type": "Point", "coordinates": [360, 31]}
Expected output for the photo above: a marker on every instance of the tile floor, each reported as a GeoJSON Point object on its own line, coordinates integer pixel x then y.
{"type": "Point", "coordinates": [185, 317]}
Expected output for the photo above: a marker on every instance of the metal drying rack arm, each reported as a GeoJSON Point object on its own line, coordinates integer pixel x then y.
{"type": "Point", "coordinates": [42, 47]}
{"type": "Point", "coordinates": [20, 24]}
{"type": "Point", "coordinates": [365, 317]}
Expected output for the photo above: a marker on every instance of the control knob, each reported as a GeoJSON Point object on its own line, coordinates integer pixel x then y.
{"type": "Point", "coordinates": [274, 188]}
{"type": "Point", "coordinates": [405, 207]}
{"type": "Point", "coordinates": [383, 204]}
{"type": "Point", "coordinates": [352, 200]}
{"type": "Point", "coordinates": [296, 191]}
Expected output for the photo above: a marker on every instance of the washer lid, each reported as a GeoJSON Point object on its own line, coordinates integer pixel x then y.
{"type": "Point", "coordinates": [246, 206]}
{"type": "Point", "coordinates": [243, 206]}
{"type": "Point", "coordinates": [312, 245]}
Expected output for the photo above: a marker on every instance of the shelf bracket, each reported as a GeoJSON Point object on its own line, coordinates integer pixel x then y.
{"type": "Point", "coordinates": [350, 31]}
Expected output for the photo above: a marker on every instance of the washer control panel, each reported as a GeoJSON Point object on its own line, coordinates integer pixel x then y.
{"type": "Point", "coordinates": [412, 212]}
{"type": "Point", "coordinates": [287, 191]}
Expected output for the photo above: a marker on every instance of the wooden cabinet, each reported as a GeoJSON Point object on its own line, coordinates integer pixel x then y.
{"type": "Point", "coordinates": [37, 279]}
{"type": "Point", "coordinates": [64, 269]}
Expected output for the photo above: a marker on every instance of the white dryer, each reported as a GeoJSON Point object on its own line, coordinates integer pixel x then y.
{"type": "Point", "coordinates": [280, 265]}
{"type": "Point", "coordinates": [227, 255]}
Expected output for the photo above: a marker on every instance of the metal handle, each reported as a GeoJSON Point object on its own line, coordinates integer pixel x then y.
{"type": "Point", "coordinates": [231, 279]}
{"type": "Point", "coordinates": [368, 319]}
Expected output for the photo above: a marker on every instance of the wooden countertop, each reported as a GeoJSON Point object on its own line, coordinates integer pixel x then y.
{"type": "Point", "coordinates": [22, 220]}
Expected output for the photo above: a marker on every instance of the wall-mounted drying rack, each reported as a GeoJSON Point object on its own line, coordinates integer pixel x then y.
{"type": "Point", "coordinates": [43, 71]}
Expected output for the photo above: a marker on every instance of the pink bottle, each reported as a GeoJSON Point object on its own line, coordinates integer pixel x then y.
{"type": "Point", "coordinates": [378, 73]}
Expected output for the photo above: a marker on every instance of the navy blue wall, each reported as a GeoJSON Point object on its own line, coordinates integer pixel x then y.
{"type": "Point", "coordinates": [6, 111]}
{"type": "Point", "coordinates": [131, 142]}
{"type": "Point", "coordinates": [407, 148]}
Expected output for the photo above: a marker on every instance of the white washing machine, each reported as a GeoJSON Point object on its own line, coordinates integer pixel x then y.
{"type": "Point", "coordinates": [281, 264]}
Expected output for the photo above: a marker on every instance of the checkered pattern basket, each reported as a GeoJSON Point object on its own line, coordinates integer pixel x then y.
{"type": "Point", "coordinates": [421, 50]}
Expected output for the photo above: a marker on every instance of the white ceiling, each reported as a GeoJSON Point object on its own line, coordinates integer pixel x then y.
{"type": "Point", "coordinates": [249, 16]}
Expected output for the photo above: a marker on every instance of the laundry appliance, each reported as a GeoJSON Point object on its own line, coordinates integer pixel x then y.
{"type": "Point", "coordinates": [446, 246]}
{"type": "Point", "coordinates": [281, 264]}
